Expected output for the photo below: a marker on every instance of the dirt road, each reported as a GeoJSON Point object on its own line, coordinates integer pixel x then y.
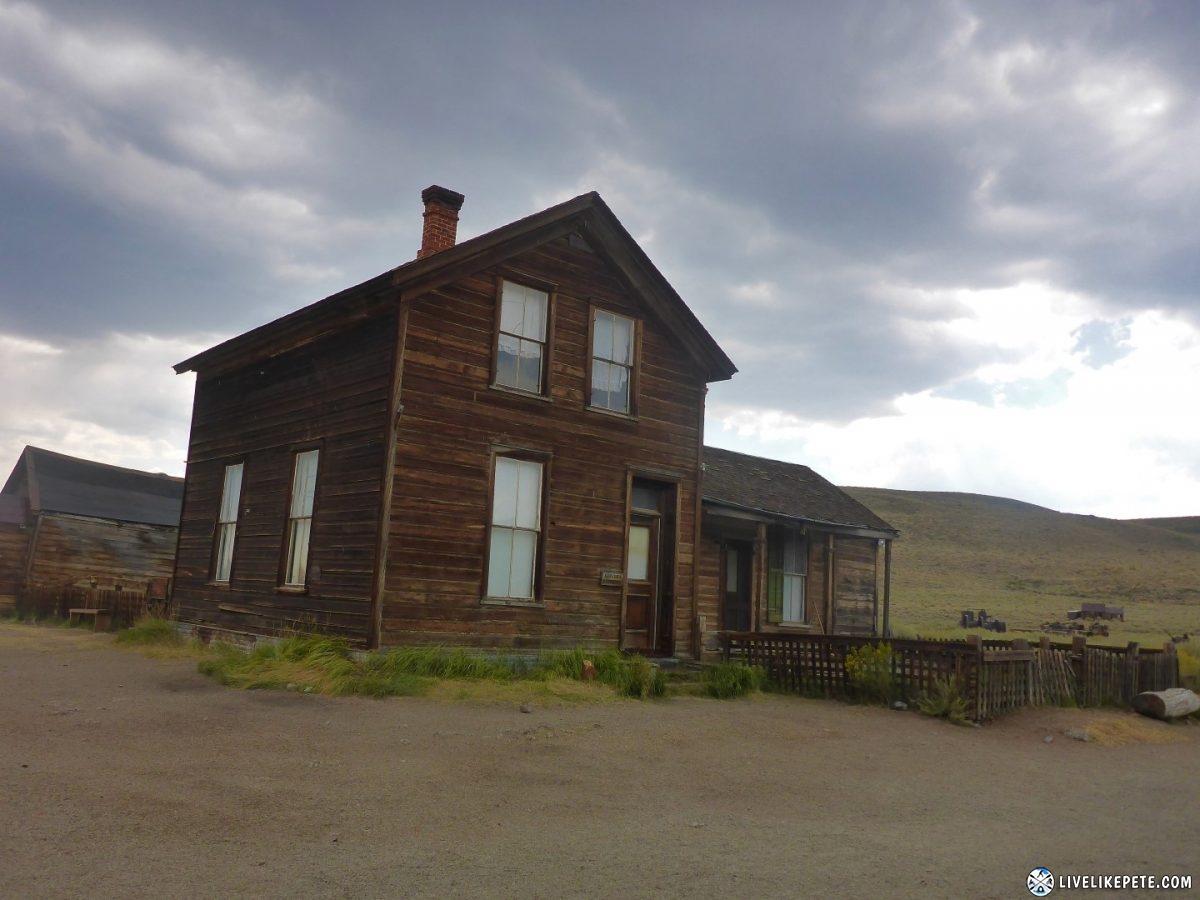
{"type": "Point", "coordinates": [122, 776]}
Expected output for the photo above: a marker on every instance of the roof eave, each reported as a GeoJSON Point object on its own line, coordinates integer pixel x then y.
{"type": "Point", "coordinates": [855, 528]}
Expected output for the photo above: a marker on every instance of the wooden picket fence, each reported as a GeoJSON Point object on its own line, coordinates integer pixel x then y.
{"type": "Point", "coordinates": [994, 676]}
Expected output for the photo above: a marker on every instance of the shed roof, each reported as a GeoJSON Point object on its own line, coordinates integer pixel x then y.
{"type": "Point", "coordinates": [54, 482]}
{"type": "Point", "coordinates": [784, 489]}
{"type": "Point", "coordinates": [588, 215]}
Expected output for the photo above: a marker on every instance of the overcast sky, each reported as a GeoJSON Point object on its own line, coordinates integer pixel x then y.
{"type": "Point", "coordinates": [950, 246]}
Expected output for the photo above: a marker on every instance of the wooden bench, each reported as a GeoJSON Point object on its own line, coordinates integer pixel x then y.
{"type": "Point", "coordinates": [101, 618]}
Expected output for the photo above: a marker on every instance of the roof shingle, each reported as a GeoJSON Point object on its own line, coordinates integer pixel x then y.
{"type": "Point", "coordinates": [782, 489]}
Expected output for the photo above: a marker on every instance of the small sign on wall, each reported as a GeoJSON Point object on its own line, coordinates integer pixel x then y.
{"type": "Point", "coordinates": [611, 578]}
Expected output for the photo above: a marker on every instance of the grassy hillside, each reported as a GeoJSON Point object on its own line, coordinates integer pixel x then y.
{"type": "Point", "coordinates": [1027, 564]}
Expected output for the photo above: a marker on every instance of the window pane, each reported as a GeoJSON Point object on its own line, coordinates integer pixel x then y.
{"type": "Point", "coordinates": [524, 549]}
{"type": "Point", "coordinates": [507, 356]}
{"type": "Point", "coordinates": [622, 340]}
{"type": "Point", "coordinates": [305, 484]}
{"type": "Point", "coordinates": [618, 388]}
{"type": "Point", "coordinates": [225, 552]}
{"type": "Point", "coordinates": [512, 309]}
{"type": "Point", "coordinates": [298, 551]}
{"type": "Point", "coordinates": [529, 373]}
{"type": "Point", "coordinates": [535, 314]}
{"type": "Point", "coordinates": [231, 493]}
{"type": "Point", "coordinates": [504, 493]}
{"type": "Point", "coordinates": [602, 335]}
{"type": "Point", "coordinates": [795, 553]}
{"type": "Point", "coordinates": [793, 598]}
{"type": "Point", "coordinates": [644, 496]}
{"type": "Point", "coordinates": [529, 495]}
{"type": "Point", "coordinates": [600, 384]}
{"type": "Point", "coordinates": [639, 553]}
{"type": "Point", "coordinates": [499, 562]}
{"type": "Point", "coordinates": [523, 311]}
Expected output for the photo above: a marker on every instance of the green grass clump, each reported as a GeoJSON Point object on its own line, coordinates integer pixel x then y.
{"type": "Point", "coordinates": [151, 631]}
{"type": "Point", "coordinates": [729, 680]}
{"type": "Point", "coordinates": [945, 701]}
{"type": "Point", "coordinates": [630, 676]}
{"type": "Point", "coordinates": [437, 662]}
{"type": "Point", "coordinates": [870, 671]}
{"type": "Point", "coordinates": [328, 665]}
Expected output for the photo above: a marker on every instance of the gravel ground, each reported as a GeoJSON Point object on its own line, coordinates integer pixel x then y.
{"type": "Point", "coordinates": [122, 776]}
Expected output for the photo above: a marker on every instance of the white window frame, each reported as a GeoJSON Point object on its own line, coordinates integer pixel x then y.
{"type": "Point", "coordinates": [515, 536]}
{"type": "Point", "coordinates": [300, 516]}
{"type": "Point", "coordinates": [227, 517]}
{"type": "Point", "coordinates": [525, 337]}
{"type": "Point", "coordinates": [604, 362]}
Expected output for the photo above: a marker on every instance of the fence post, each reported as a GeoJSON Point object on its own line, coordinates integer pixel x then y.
{"type": "Point", "coordinates": [974, 642]}
{"type": "Point", "coordinates": [1079, 657]}
{"type": "Point", "coordinates": [1132, 671]}
{"type": "Point", "coordinates": [1023, 645]}
{"type": "Point", "coordinates": [1172, 662]}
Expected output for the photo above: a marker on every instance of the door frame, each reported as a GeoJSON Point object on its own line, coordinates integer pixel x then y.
{"type": "Point", "coordinates": [668, 485]}
{"type": "Point", "coordinates": [745, 551]}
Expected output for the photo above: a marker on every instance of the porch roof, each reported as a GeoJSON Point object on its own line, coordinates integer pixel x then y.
{"type": "Point", "coordinates": [784, 490]}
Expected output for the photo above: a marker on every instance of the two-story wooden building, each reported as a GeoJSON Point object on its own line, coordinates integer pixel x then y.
{"type": "Point", "coordinates": [498, 444]}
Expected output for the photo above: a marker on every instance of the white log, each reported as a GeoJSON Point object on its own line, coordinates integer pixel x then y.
{"type": "Point", "coordinates": [1172, 703]}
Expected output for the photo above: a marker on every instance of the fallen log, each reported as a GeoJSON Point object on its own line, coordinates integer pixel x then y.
{"type": "Point", "coordinates": [1172, 703]}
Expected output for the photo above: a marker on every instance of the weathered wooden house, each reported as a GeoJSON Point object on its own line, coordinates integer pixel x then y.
{"type": "Point", "coordinates": [497, 444]}
{"type": "Point", "coordinates": [782, 549]}
{"type": "Point", "coordinates": [73, 523]}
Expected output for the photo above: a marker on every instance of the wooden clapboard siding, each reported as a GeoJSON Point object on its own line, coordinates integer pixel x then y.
{"type": "Point", "coordinates": [14, 545]}
{"type": "Point", "coordinates": [452, 420]}
{"type": "Point", "coordinates": [854, 584]}
{"type": "Point", "coordinates": [72, 550]}
{"type": "Point", "coordinates": [710, 589]}
{"type": "Point", "coordinates": [816, 585]}
{"type": "Point", "coordinates": [332, 395]}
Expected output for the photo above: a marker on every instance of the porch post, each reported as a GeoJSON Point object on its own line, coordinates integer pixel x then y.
{"type": "Point", "coordinates": [887, 587]}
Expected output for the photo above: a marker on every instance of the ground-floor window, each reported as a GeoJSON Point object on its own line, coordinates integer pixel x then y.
{"type": "Point", "coordinates": [515, 529]}
{"type": "Point", "coordinates": [788, 571]}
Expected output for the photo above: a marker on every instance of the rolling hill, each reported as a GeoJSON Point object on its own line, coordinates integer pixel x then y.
{"type": "Point", "coordinates": [1027, 564]}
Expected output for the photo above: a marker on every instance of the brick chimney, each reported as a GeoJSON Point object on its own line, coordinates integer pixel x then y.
{"type": "Point", "coordinates": [441, 219]}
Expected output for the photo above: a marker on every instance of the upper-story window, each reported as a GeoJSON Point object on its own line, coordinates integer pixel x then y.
{"type": "Point", "coordinates": [612, 361]}
{"type": "Point", "coordinates": [231, 494]}
{"type": "Point", "coordinates": [300, 515]}
{"type": "Point", "coordinates": [521, 343]}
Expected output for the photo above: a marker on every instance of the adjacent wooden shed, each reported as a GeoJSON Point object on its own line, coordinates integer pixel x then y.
{"type": "Point", "coordinates": [783, 549]}
{"type": "Point", "coordinates": [73, 523]}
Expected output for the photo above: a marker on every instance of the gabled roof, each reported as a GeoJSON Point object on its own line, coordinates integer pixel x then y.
{"type": "Point", "coordinates": [65, 484]}
{"type": "Point", "coordinates": [587, 214]}
{"type": "Point", "coordinates": [788, 490]}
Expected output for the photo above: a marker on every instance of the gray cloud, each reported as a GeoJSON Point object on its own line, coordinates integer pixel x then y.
{"type": "Point", "coordinates": [810, 176]}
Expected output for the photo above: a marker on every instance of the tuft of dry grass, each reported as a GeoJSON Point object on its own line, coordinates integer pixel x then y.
{"type": "Point", "coordinates": [552, 692]}
{"type": "Point", "coordinates": [1130, 730]}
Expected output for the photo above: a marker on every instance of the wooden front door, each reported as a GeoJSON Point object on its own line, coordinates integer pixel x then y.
{"type": "Point", "coordinates": [643, 583]}
{"type": "Point", "coordinates": [735, 607]}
